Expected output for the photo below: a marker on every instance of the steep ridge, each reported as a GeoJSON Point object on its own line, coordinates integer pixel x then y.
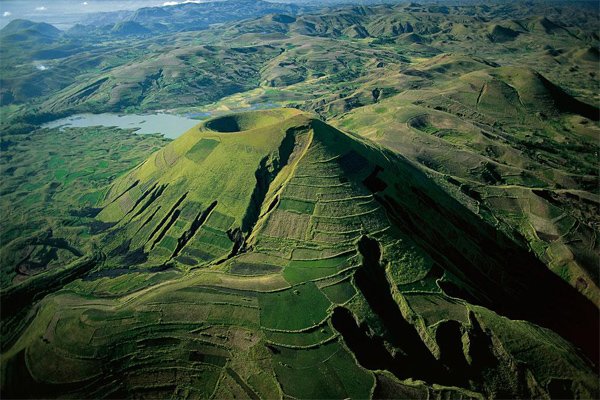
{"type": "Point", "coordinates": [305, 262]}
{"type": "Point", "coordinates": [508, 133]}
{"type": "Point", "coordinates": [193, 172]}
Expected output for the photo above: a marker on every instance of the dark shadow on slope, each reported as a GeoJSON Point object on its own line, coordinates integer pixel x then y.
{"type": "Point", "coordinates": [134, 184]}
{"type": "Point", "coordinates": [494, 270]}
{"type": "Point", "coordinates": [139, 200]}
{"type": "Point", "coordinates": [414, 359]}
{"type": "Point", "coordinates": [568, 103]}
{"type": "Point", "coordinates": [267, 170]}
{"type": "Point", "coordinates": [155, 193]}
{"type": "Point", "coordinates": [373, 183]}
{"type": "Point", "coordinates": [20, 384]}
{"type": "Point", "coordinates": [167, 221]}
{"type": "Point", "coordinates": [196, 224]}
{"type": "Point", "coordinates": [448, 336]}
{"type": "Point", "coordinates": [370, 352]}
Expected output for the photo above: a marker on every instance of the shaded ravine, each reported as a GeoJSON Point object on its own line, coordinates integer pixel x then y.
{"type": "Point", "coordinates": [167, 221]}
{"type": "Point", "coordinates": [266, 172]}
{"type": "Point", "coordinates": [414, 359]}
{"type": "Point", "coordinates": [496, 272]}
{"type": "Point", "coordinates": [514, 283]}
{"type": "Point", "coordinates": [156, 193]}
{"type": "Point", "coordinates": [196, 224]}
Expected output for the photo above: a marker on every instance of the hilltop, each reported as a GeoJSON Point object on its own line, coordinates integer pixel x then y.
{"type": "Point", "coordinates": [276, 242]}
{"type": "Point", "coordinates": [328, 61]}
{"type": "Point", "coordinates": [21, 27]}
{"type": "Point", "coordinates": [192, 16]}
{"type": "Point", "coordinates": [412, 214]}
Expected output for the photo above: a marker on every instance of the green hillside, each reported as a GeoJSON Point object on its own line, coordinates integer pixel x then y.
{"type": "Point", "coordinates": [23, 30]}
{"type": "Point", "coordinates": [505, 142]}
{"type": "Point", "coordinates": [383, 201]}
{"type": "Point", "coordinates": [287, 258]}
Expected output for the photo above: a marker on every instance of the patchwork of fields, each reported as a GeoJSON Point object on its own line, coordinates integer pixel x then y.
{"type": "Point", "coordinates": [409, 208]}
{"type": "Point", "coordinates": [306, 273]}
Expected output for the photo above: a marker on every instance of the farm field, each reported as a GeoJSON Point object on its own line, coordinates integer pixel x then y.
{"type": "Point", "coordinates": [378, 201]}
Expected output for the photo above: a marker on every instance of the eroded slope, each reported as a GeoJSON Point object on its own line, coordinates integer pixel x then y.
{"type": "Point", "coordinates": [268, 254]}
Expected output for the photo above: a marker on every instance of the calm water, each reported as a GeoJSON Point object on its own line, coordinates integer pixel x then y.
{"type": "Point", "coordinates": [171, 126]}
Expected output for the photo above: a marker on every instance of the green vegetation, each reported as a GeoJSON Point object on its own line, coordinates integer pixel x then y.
{"type": "Point", "coordinates": [52, 186]}
{"type": "Point", "coordinates": [416, 222]}
{"type": "Point", "coordinates": [208, 278]}
{"type": "Point", "coordinates": [337, 377]}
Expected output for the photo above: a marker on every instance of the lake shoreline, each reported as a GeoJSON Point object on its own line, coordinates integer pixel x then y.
{"type": "Point", "coordinates": [170, 126]}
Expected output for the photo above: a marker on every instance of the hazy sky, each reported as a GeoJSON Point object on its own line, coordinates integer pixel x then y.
{"type": "Point", "coordinates": [65, 13]}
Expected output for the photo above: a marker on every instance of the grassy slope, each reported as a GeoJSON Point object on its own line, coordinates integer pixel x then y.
{"type": "Point", "coordinates": [200, 329]}
{"type": "Point", "coordinates": [497, 140]}
{"type": "Point", "coordinates": [50, 191]}
{"type": "Point", "coordinates": [499, 135]}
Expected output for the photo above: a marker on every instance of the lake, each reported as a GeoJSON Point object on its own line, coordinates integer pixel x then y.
{"type": "Point", "coordinates": [171, 126]}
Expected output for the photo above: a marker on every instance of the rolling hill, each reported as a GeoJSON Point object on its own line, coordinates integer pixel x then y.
{"type": "Point", "coordinates": [413, 213]}
{"type": "Point", "coordinates": [20, 30]}
{"type": "Point", "coordinates": [191, 16]}
{"type": "Point", "coordinates": [292, 259]}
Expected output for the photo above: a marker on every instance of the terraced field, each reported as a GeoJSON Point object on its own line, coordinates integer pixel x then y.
{"type": "Point", "coordinates": [517, 157]}
{"type": "Point", "coordinates": [306, 273]}
{"type": "Point", "coordinates": [50, 192]}
{"type": "Point", "coordinates": [419, 220]}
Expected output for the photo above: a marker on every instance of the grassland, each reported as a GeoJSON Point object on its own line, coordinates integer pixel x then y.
{"type": "Point", "coordinates": [52, 186]}
{"type": "Point", "coordinates": [176, 304]}
{"type": "Point", "coordinates": [418, 222]}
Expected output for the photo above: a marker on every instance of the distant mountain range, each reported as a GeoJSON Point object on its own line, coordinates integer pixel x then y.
{"type": "Point", "coordinates": [191, 16]}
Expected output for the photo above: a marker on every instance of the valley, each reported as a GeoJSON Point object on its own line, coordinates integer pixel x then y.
{"type": "Point", "coordinates": [351, 201]}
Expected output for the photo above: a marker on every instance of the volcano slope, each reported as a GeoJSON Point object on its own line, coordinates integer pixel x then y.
{"type": "Point", "coordinates": [268, 255]}
{"type": "Point", "coordinates": [523, 153]}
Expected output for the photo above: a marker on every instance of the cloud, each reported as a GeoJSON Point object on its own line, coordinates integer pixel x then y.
{"type": "Point", "coordinates": [6, 14]}
{"type": "Point", "coordinates": [85, 3]}
{"type": "Point", "coordinates": [42, 8]}
{"type": "Point", "coordinates": [174, 3]}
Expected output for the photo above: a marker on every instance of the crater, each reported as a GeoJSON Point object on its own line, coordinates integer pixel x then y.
{"type": "Point", "coordinates": [422, 123]}
{"type": "Point", "coordinates": [242, 122]}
